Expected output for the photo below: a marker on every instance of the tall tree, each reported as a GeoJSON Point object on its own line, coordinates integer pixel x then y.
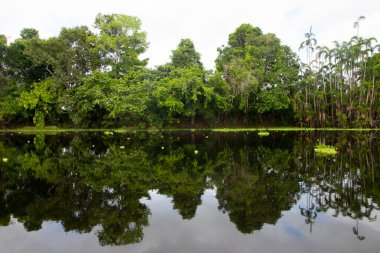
{"type": "Point", "coordinates": [260, 70]}
{"type": "Point", "coordinates": [120, 42]}
{"type": "Point", "coordinates": [182, 87]}
{"type": "Point", "coordinates": [185, 55]}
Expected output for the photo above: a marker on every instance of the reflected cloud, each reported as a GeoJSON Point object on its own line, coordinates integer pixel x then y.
{"type": "Point", "coordinates": [242, 193]}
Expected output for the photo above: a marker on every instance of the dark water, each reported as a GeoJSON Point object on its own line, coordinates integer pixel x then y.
{"type": "Point", "coordinates": [189, 192]}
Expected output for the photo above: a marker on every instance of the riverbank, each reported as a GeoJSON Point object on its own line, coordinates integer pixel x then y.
{"type": "Point", "coordinates": [53, 129]}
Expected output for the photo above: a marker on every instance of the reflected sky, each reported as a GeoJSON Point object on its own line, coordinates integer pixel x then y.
{"type": "Point", "coordinates": [238, 193]}
{"type": "Point", "coordinates": [209, 231]}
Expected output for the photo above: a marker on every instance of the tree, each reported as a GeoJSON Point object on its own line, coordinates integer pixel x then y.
{"type": "Point", "coordinates": [8, 92]}
{"type": "Point", "coordinates": [185, 55]}
{"type": "Point", "coordinates": [372, 82]}
{"type": "Point", "coordinates": [26, 61]}
{"type": "Point", "coordinates": [102, 98]}
{"type": "Point", "coordinates": [181, 86]}
{"type": "Point", "coordinates": [357, 24]}
{"type": "Point", "coordinates": [334, 89]}
{"type": "Point", "coordinates": [120, 42]}
{"type": "Point", "coordinates": [3, 49]}
{"type": "Point", "coordinates": [221, 98]}
{"type": "Point", "coordinates": [29, 33]}
{"type": "Point", "coordinates": [74, 55]}
{"type": "Point", "coordinates": [259, 69]}
{"type": "Point", "coordinates": [41, 99]}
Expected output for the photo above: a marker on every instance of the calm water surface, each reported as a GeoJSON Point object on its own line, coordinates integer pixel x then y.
{"type": "Point", "coordinates": [189, 192]}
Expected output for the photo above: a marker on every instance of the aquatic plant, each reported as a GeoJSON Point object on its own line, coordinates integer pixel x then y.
{"type": "Point", "coordinates": [323, 149]}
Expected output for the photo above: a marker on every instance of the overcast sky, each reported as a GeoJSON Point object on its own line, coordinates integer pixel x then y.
{"type": "Point", "coordinates": [206, 22]}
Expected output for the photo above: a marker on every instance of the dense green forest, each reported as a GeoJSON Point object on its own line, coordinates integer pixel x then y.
{"type": "Point", "coordinates": [97, 78]}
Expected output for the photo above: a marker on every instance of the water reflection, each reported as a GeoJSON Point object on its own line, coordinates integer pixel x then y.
{"type": "Point", "coordinates": [87, 181]}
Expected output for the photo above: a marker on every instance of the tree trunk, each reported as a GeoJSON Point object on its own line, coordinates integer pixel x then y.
{"type": "Point", "coordinates": [192, 121]}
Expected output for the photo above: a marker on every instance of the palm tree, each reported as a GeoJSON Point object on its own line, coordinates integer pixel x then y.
{"type": "Point", "coordinates": [357, 24]}
{"type": "Point", "coordinates": [309, 45]}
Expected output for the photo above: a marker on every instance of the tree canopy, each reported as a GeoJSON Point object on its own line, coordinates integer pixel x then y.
{"type": "Point", "coordinates": [98, 78]}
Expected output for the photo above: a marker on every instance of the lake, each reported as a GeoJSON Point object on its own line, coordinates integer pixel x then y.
{"type": "Point", "coordinates": [189, 192]}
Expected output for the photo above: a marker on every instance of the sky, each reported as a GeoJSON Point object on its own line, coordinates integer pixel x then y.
{"type": "Point", "coordinates": [206, 22]}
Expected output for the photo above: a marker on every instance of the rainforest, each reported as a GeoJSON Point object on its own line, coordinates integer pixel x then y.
{"type": "Point", "coordinates": [97, 78]}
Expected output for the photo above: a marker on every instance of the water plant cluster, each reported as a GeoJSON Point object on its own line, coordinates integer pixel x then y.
{"type": "Point", "coordinates": [324, 149]}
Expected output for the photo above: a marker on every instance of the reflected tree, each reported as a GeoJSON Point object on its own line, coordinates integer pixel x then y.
{"type": "Point", "coordinates": [96, 181]}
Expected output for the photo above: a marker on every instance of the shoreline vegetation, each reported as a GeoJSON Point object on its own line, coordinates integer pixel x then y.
{"type": "Point", "coordinates": [95, 78]}
{"type": "Point", "coordinates": [262, 131]}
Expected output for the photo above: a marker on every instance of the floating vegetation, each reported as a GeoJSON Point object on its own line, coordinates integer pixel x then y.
{"type": "Point", "coordinates": [323, 149]}
{"type": "Point", "coordinates": [261, 134]}
{"type": "Point", "coordinates": [55, 130]}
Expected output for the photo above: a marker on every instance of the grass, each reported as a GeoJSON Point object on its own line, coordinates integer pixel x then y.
{"type": "Point", "coordinates": [323, 149]}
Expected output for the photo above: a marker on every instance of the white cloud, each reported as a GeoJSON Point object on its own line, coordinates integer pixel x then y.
{"type": "Point", "coordinates": [206, 22]}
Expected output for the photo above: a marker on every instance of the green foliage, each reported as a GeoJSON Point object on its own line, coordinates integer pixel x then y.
{"type": "Point", "coordinates": [39, 119]}
{"type": "Point", "coordinates": [185, 55]}
{"type": "Point", "coordinates": [101, 97]}
{"type": "Point", "coordinates": [340, 90]}
{"type": "Point", "coordinates": [25, 61]}
{"type": "Point", "coordinates": [29, 33]}
{"type": "Point", "coordinates": [259, 69]}
{"type": "Point", "coordinates": [221, 96]}
{"type": "Point", "coordinates": [74, 55]}
{"type": "Point", "coordinates": [183, 91]}
{"type": "Point", "coordinates": [120, 42]}
{"type": "Point", "coordinates": [99, 79]}
{"type": "Point", "coordinates": [323, 149]}
{"type": "Point", "coordinates": [277, 98]}
{"type": "Point", "coordinates": [41, 99]}
{"type": "Point", "coordinates": [8, 107]}
{"type": "Point", "coordinates": [180, 86]}
{"type": "Point", "coordinates": [3, 39]}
